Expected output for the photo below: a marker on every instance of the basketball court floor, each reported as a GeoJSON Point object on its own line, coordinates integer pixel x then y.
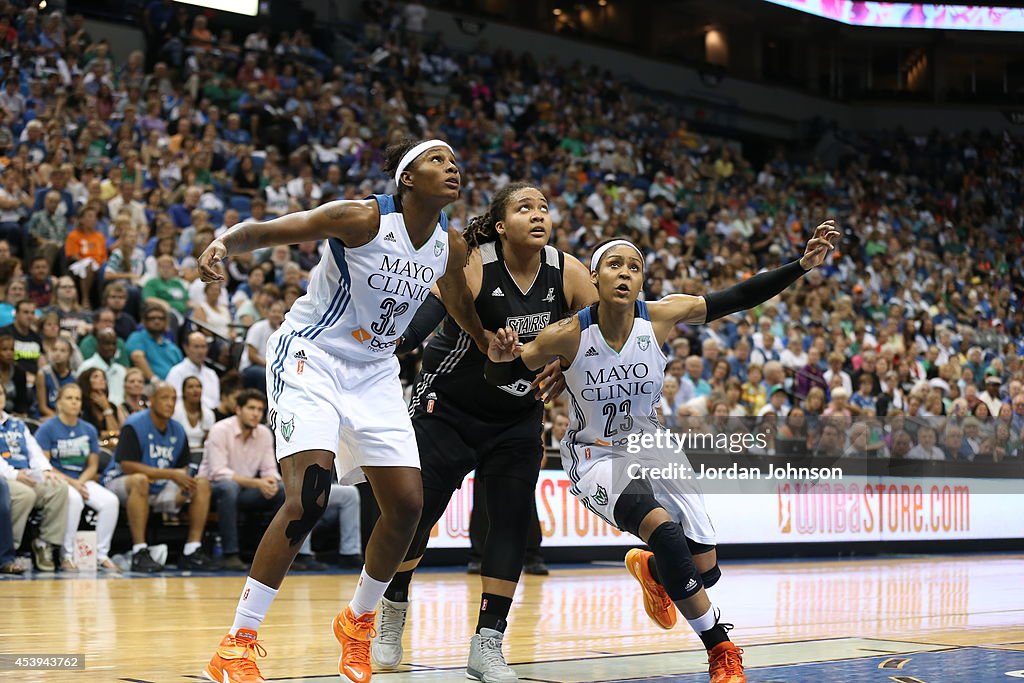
{"type": "Point", "coordinates": [931, 619]}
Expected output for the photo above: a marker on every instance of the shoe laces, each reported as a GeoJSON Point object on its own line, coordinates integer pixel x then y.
{"type": "Point", "coordinates": [251, 648]}
{"type": "Point", "coordinates": [357, 650]}
{"type": "Point", "coordinates": [666, 602]}
{"type": "Point", "coordinates": [729, 660]}
{"type": "Point", "coordinates": [490, 651]}
{"type": "Point", "coordinates": [392, 624]}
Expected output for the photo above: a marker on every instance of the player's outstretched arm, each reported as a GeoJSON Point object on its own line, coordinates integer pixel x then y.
{"type": "Point", "coordinates": [455, 291]}
{"type": "Point", "coordinates": [507, 358]}
{"type": "Point", "coordinates": [353, 222]}
{"type": "Point", "coordinates": [697, 310]}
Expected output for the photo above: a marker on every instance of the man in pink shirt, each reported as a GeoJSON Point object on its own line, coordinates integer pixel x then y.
{"type": "Point", "coordinates": [242, 468]}
{"type": "Point", "coordinates": [240, 463]}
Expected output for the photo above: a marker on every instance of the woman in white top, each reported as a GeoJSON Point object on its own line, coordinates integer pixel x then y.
{"type": "Point", "coordinates": [212, 313]}
{"type": "Point", "coordinates": [793, 357]}
{"type": "Point", "coordinates": [196, 419]}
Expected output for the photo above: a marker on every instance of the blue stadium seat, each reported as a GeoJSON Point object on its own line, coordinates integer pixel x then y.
{"type": "Point", "coordinates": [241, 204]}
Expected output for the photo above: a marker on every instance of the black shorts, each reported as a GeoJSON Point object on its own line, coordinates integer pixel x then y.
{"type": "Point", "coordinates": [453, 442]}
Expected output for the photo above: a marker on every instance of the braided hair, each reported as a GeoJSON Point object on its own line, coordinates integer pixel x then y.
{"type": "Point", "coordinates": [482, 229]}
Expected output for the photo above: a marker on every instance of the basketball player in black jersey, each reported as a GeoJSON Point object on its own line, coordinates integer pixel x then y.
{"type": "Point", "coordinates": [463, 423]}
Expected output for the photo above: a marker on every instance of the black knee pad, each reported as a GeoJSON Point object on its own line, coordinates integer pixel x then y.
{"type": "Point", "coordinates": [635, 502]}
{"type": "Point", "coordinates": [676, 569]}
{"type": "Point", "coordinates": [711, 576]}
{"type": "Point", "coordinates": [315, 491]}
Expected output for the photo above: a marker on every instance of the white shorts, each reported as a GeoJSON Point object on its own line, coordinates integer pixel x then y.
{"type": "Point", "coordinates": [603, 480]}
{"type": "Point", "coordinates": [355, 409]}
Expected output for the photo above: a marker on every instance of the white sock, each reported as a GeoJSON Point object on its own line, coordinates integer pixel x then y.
{"type": "Point", "coordinates": [369, 591]}
{"type": "Point", "coordinates": [139, 546]}
{"type": "Point", "coordinates": [191, 548]}
{"type": "Point", "coordinates": [705, 622]}
{"type": "Point", "coordinates": [253, 605]}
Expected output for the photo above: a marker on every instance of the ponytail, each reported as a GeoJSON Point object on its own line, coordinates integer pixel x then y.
{"type": "Point", "coordinates": [479, 231]}
{"type": "Point", "coordinates": [482, 229]}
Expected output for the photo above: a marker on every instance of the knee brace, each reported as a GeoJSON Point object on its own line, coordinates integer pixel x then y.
{"type": "Point", "coordinates": [711, 576]}
{"type": "Point", "coordinates": [315, 492]}
{"type": "Point", "coordinates": [634, 504]}
{"type": "Point", "coordinates": [676, 569]}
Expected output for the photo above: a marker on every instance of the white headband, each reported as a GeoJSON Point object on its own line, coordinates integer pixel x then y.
{"type": "Point", "coordinates": [596, 258]}
{"type": "Point", "coordinates": [419, 149]}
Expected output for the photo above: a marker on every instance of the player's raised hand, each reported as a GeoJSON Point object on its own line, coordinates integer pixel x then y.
{"type": "Point", "coordinates": [209, 259]}
{"type": "Point", "coordinates": [824, 240]}
{"type": "Point", "coordinates": [505, 346]}
{"type": "Point", "coordinates": [549, 382]}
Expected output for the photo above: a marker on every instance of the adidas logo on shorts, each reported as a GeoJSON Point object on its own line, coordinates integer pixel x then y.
{"type": "Point", "coordinates": [690, 585]}
{"type": "Point", "coordinates": [590, 352]}
{"type": "Point", "coordinates": [300, 355]}
{"type": "Point", "coordinates": [497, 292]}
{"type": "Point", "coordinates": [390, 237]}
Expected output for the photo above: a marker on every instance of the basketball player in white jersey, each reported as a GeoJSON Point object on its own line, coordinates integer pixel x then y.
{"type": "Point", "coordinates": [332, 377]}
{"type": "Point", "coordinates": [614, 371]}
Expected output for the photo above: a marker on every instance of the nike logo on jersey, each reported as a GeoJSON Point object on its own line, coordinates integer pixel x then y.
{"type": "Point", "coordinates": [590, 352]}
{"type": "Point", "coordinates": [497, 292]}
{"type": "Point", "coordinates": [390, 237]}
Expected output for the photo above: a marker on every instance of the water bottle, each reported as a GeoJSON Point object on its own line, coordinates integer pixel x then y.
{"type": "Point", "coordinates": [218, 549]}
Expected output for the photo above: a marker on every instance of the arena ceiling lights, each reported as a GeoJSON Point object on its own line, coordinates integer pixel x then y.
{"type": "Point", "coordinates": [248, 7]}
{"type": "Point", "coordinates": [907, 15]}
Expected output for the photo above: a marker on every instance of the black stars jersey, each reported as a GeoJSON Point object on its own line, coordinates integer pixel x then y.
{"type": "Point", "coordinates": [453, 368]}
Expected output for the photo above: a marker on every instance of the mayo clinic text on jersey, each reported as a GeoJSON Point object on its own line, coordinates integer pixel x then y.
{"type": "Point", "coordinates": [393, 275]}
{"type": "Point", "coordinates": [618, 381]}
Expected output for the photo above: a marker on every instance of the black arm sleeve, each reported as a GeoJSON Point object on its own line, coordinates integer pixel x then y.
{"type": "Point", "coordinates": [430, 314]}
{"type": "Point", "coordinates": [752, 291]}
{"type": "Point", "coordinates": [500, 374]}
{"type": "Point", "coordinates": [128, 447]}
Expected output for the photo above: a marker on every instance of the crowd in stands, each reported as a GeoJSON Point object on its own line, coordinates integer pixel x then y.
{"type": "Point", "coordinates": [116, 171]}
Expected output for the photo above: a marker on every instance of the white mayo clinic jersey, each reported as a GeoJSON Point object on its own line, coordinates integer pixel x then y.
{"type": "Point", "coordinates": [360, 300]}
{"type": "Point", "coordinates": [611, 395]}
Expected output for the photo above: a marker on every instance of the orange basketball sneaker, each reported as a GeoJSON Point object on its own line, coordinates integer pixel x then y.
{"type": "Point", "coordinates": [235, 659]}
{"type": "Point", "coordinates": [659, 606]}
{"type": "Point", "coordinates": [726, 663]}
{"type": "Point", "coordinates": [354, 634]}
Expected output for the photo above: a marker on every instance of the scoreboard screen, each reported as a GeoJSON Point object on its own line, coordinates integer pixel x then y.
{"type": "Point", "coordinates": [248, 7]}
{"type": "Point", "coordinates": [909, 15]}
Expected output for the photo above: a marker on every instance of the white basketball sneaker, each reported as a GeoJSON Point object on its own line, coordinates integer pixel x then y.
{"type": "Point", "coordinates": [386, 649]}
{"type": "Point", "coordinates": [486, 662]}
